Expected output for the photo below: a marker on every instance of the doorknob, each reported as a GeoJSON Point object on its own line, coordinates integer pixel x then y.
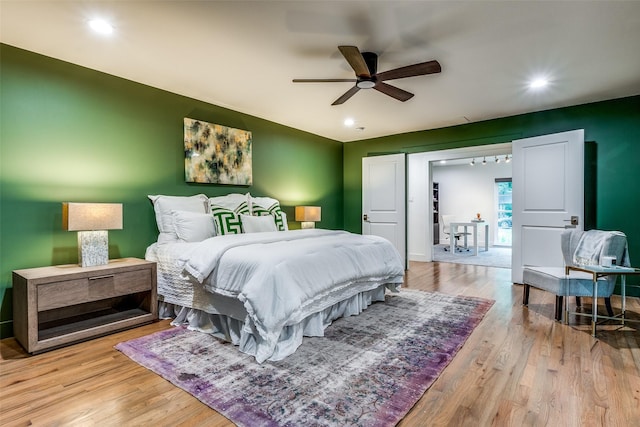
{"type": "Point", "coordinates": [365, 218]}
{"type": "Point", "coordinates": [574, 222]}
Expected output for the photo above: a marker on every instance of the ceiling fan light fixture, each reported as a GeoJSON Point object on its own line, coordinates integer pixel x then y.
{"type": "Point", "coordinates": [365, 84]}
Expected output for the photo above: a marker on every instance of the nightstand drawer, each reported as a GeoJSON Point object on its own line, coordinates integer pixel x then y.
{"type": "Point", "coordinates": [93, 288]}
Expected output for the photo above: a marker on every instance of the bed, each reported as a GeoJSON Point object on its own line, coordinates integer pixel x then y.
{"type": "Point", "coordinates": [229, 266]}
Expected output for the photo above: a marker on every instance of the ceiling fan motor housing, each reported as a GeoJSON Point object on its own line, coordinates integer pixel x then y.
{"type": "Point", "coordinates": [368, 82]}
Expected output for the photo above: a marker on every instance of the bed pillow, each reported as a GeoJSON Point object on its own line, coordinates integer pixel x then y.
{"type": "Point", "coordinates": [192, 226]}
{"type": "Point", "coordinates": [226, 211]}
{"type": "Point", "coordinates": [227, 221]}
{"type": "Point", "coordinates": [258, 224]}
{"type": "Point", "coordinates": [163, 205]}
{"type": "Point", "coordinates": [262, 206]}
{"type": "Point", "coordinates": [234, 201]}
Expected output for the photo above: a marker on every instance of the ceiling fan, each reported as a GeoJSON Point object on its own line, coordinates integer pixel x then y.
{"type": "Point", "coordinates": [365, 65]}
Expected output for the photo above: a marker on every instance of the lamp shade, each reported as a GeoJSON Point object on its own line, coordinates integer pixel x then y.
{"type": "Point", "coordinates": [308, 213]}
{"type": "Point", "coordinates": [91, 216]}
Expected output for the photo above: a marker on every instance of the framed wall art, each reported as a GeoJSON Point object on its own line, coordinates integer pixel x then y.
{"type": "Point", "coordinates": [215, 154]}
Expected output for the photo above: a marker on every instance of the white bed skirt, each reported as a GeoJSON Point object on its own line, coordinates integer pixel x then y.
{"type": "Point", "coordinates": [233, 330]}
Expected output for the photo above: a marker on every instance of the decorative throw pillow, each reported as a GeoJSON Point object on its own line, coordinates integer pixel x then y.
{"type": "Point", "coordinates": [228, 221]}
{"type": "Point", "coordinates": [261, 206]}
{"type": "Point", "coordinates": [258, 224]}
{"type": "Point", "coordinates": [193, 227]}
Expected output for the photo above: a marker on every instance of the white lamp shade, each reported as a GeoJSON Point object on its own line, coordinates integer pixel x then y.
{"type": "Point", "coordinates": [308, 213]}
{"type": "Point", "coordinates": [91, 216]}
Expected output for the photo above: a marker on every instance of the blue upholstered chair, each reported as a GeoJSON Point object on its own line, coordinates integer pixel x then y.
{"type": "Point", "coordinates": [579, 248]}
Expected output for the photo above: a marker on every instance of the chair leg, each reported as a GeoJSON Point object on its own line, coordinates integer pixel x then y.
{"type": "Point", "coordinates": [559, 301]}
{"type": "Point", "coordinates": [607, 303]}
{"type": "Point", "coordinates": [525, 295]}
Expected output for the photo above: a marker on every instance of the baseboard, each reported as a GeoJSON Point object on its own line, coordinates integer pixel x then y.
{"type": "Point", "coordinates": [6, 329]}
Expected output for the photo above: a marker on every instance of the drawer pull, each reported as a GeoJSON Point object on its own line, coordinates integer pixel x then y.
{"type": "Point", "coordinates": [101, 277]}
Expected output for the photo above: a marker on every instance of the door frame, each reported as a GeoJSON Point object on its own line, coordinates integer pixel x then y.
{"type": "Point", "coordinates": [419, 170]}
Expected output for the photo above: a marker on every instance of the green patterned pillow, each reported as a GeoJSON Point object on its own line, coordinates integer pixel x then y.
{"type": "Point", "coordinates": [227, 220]}
{"type": "Point", "coordinates": [272, 210]}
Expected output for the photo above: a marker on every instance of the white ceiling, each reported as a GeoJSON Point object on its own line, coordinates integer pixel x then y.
{"type": "Point", "coordinates": [243, 55]}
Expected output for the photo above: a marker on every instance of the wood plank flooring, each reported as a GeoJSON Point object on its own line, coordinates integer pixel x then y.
{"type": "Point", "coordinates": [518, 368]}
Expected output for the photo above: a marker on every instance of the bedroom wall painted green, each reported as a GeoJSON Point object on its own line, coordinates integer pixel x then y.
{"type": "Point", "coordinates": [612, 126]}
{"type": "Point", "coordinates": [73, 134]}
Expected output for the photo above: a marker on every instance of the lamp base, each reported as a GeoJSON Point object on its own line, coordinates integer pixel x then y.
{"type": "Point", "coordinates": [93, 248]}
{"type": "Point", "coordinates": [307, 224]}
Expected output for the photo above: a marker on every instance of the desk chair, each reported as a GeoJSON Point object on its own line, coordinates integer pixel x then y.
{"type": "Point", "coordinates": [455, 234]}
{"type": "Point", "coordinates": [579, 247]}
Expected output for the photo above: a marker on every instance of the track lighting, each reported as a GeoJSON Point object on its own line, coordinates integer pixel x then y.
{"type": "Point", "coordinates": [497, 159]}
{"type": "Point", "coordinates": [507, 159]}
{"type": "Point", "coordinates": [472, 162]}
{"type": "Point", "coordinates": [484, 161]}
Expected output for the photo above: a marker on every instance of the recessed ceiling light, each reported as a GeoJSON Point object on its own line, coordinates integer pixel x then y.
{"type": "Point", "coordinates": [538, 83]}
{"type": "Point", "coordinates": [101, 26]}
{"type": "Point", "coordinates": [349, 122]}
{"type": "Point", "coordinates": [442, 162]}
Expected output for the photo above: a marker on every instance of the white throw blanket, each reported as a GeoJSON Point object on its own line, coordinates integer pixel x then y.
{"type": "Point", "coordinates": [594, 244]}
{"type": "Point", "coordinates": [282, 277]}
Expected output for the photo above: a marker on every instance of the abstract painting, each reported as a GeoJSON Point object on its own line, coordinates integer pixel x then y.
{"type": "Point", "coordinates": [215, 154]}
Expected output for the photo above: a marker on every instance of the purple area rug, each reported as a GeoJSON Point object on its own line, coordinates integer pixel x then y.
{"type": "Point", "coordinates": [368, 370]}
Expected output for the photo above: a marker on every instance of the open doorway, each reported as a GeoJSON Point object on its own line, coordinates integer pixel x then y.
{"type": "Point", "coordinates": [459, 193]}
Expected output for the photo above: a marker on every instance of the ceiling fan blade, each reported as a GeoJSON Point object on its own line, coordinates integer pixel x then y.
{"type": "Point", "coordinates": [323, 80]}
{"type": "Point", "coordinates": [392, 91]}
{"type": "Point", "coordinates": [356, 60]}
{"type": "Point", "coordinates": [348, 94]}
{"type": "Point", "coordinates": [429, 67]}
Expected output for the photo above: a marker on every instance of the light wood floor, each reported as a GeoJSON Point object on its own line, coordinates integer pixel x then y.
{"type": "Point", "coordinates": [518, 368]}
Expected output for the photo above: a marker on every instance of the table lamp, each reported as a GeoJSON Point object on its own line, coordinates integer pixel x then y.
{"type": "Point", "coordinates": [91, 221]}
{"type": "Point", "coordinates": [308, 216]}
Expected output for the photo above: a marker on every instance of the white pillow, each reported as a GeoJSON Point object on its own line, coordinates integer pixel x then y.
{"type": "Point", "coordinates": [257, 224]}
{"type": "Point", "coordinates": [163, 205]}
{"type": "Point", "coordinates": [263, 202]}
{"type": "Point", "coordinates": [192, 226]}
{"type": "Point", "coordinates": [261, 206]}
{"type": "Point", "coordinates": [230, 201]}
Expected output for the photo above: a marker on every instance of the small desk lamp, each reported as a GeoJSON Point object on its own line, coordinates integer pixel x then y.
{"type": "Point", "coordinates": [308, 216]}
{"type": "Point", "coordinates": [91, 221]}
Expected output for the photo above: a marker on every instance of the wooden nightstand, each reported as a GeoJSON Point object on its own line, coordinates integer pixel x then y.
{"type": "Point", "coordinates": [64, 304]}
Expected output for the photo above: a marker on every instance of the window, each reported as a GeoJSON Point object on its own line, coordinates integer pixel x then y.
{"type": "Point", "coordinates": [504, 212]}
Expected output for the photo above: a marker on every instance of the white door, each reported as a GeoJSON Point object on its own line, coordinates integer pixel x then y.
{"type": "Point", "coordinates": [548, 196]}
{"type": "Point", "coordinates": [383, 199]}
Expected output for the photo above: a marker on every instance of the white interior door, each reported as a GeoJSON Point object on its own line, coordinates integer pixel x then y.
{"type": "Point", "coordinates": [548, 196]}
{"type": "Point", "coordinates": [384, 199]}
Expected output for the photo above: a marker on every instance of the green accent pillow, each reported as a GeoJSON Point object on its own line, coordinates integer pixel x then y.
{"type": "Point", "coordinates": [272, 210]}
{"type": "Point", "coordinates": [227, 220]}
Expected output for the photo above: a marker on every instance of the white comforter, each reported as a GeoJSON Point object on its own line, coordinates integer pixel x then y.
{"type": "Point", "coordinates": [282, 277]}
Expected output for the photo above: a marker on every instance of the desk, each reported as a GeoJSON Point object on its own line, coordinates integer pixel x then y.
{"type": "Point", "coordinates": [598, 271]}
{"type": "Point", "coordinates": [475, 225]}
